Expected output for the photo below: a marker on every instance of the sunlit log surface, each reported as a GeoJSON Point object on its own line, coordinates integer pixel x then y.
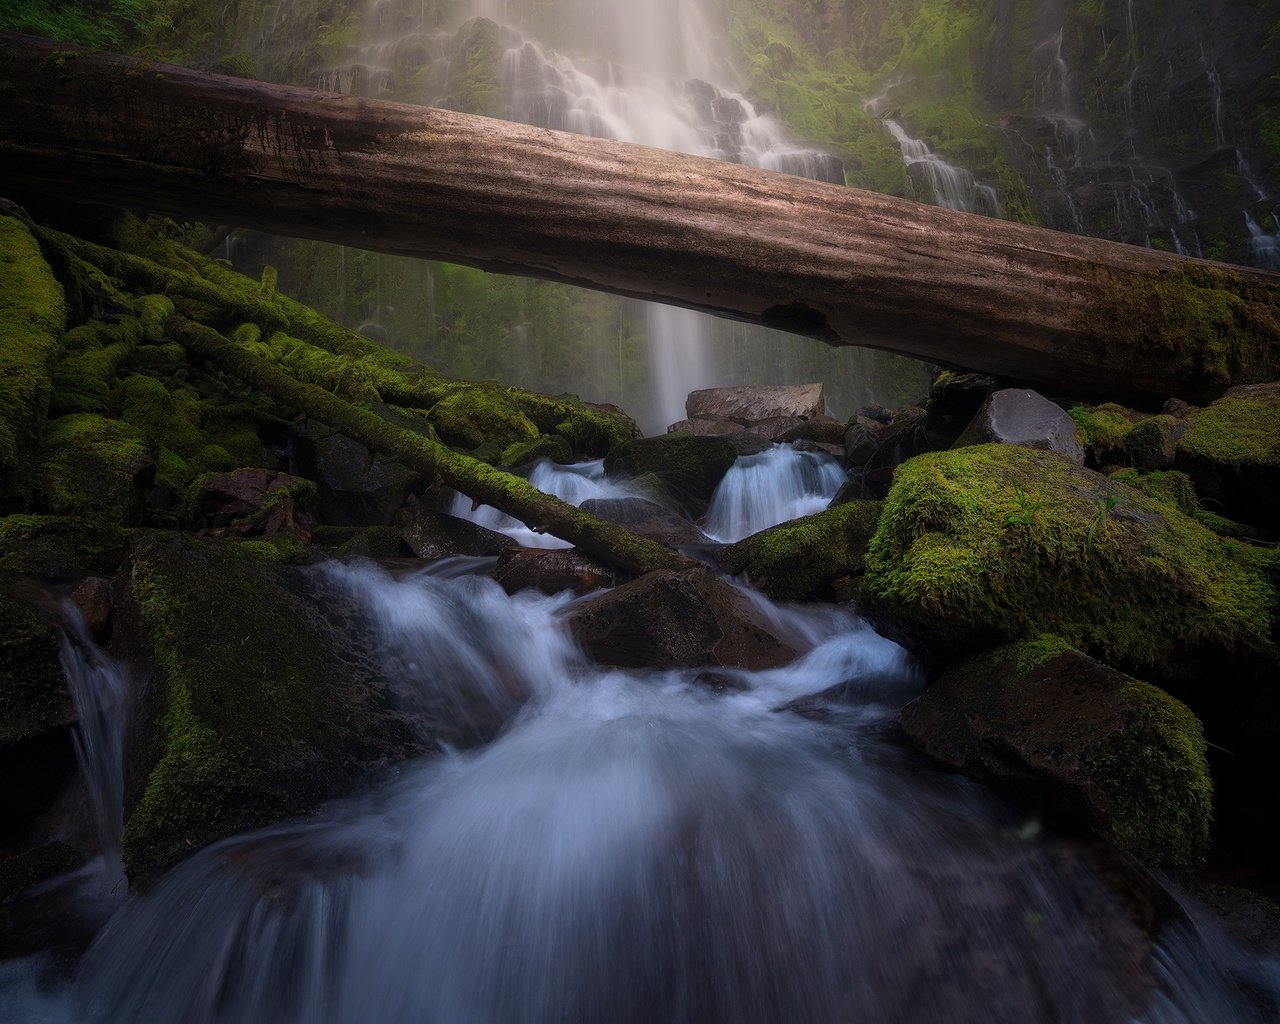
{"type": "Point", "coordinates": [851, 267]}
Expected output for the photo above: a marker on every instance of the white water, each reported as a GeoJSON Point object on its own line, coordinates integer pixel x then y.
{"type": "Point", "coordinates": [772, 487]}
{"type": "Point", "coordinates": [1264, 246]}
{"type": "Point", "coordinates": [634, 848]}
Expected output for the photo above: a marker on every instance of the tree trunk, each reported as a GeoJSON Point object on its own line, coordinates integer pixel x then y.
{"type": "Point", "coordinates": [1069, 313]}
{"type": "Point", "coordinates": [478, 481]}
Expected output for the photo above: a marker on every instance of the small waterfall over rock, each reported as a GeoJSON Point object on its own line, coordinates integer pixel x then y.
{"type": "Point", "coordinates": [1264, 245]}
{"type": "Point", "coordinates": [773, 487]}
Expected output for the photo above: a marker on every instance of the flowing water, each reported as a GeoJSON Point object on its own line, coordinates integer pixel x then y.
{"type": "Point", "coordinates": [779, 484]}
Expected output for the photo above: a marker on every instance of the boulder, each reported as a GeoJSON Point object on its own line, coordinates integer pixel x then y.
{"type": "Point", "coordinates": [266, 700]}
{"type": "Point", "coordinates": [954, 400]}
{"type": "Point", "coordinates": [93, 466]}
{"type": "Point", "coordinates": [1022, 417]}
{"type": "Point", "coordinates": [1087, 740]}
{"type": "Point", "coordinates": [862, 439]}
{"type": "Point", "coordinates": [688, 468]}
{"type": "Point", "coordinates": [648, 519]}
{"type": "Point", "coordinates": [677, 620]}
{"type": "Point", "coordinates": [259, 502]}
{"type": "Point", "coordinates": [753, 403]}
{"type": "Point", "coordinates": [92, 596]}
{"type": "Point", "coordinates": [901, 440]}
{"type": "Point", "coordinates": [356, 487]}
{"type": "Point", "coordinates": [992, 543]}
{"type": "Point", "coordinates": [432, 535]}
{"type": "Point", "coordinates": [705, 427]}
{"type": "Point", "coordinates": [480, 414]}
{"type": "Point", "coordinates": [1101, 430]}
{"type": "Point", "coordinates": [825, 430]}
{"type": "Point", "coordinates": [1152, 444]}
{"type": "Point", "coordinates": [552, 571]}
{"type": "Point", "coordinates": [60, 546]}
{"type": "Point", "coordinates": [802, 559]}
{"type": "Point", "coordinates": [1232, 452]}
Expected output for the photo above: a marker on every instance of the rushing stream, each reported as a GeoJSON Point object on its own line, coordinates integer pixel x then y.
{"type": "Point", "coordinates": [635, 846]}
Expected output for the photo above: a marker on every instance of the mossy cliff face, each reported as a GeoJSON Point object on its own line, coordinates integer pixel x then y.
{"type": "Point", "coordinates": [994, 543]}
{"type": "Point", "coordinates": [256, 716]}
{"type": "Point", "coordinates": [1090, 741]}
{"type": "Point", "coordinates": [32, 319]}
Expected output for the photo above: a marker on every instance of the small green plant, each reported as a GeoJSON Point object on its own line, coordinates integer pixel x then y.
{"type": "Point", "coordinates": [1105, 506]}
{"type": "Point", "coordinates": [1026, 511]}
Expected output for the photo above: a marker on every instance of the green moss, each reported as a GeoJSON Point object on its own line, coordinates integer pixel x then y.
{"type": "Point", "coordinates": [1169, 486]}
{"type": "Point", "coordinates": [1101, 429]}
{"type": "Point", "coordinates": [33, 692]}
{"type": "Point", "coordinates": [480, 415]}
{"type": "Point", "coordinates": [166, 416]}
{"type": "Point", "coordinates": [1140, 584]}
{"type": "Point", "coordinates": [32, 319]}
{"type": "Point", "coordinates": [524, 452]}
{"type": "Point", "coordinates": [90, 465]}
{"type": "Point", "coordinates": [29, 868]}
{"type": "Point", "coordinates": [799, 560]}
{"type": "Point", "coordinates": [244, 696]}
{"type": "Point", "coordinates": [52, 546]}
{"type": "Point", "coordinates": [1240, 430]}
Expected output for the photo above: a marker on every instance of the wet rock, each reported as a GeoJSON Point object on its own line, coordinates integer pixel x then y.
{"type": "Point", "coordinates": [677, 619]}
{"type": "Point", "coordinates": [825, 430]}
{"type": "Point", "coordinates": [1152, 443]}
{"type": "Point", "coordinates": [552, 571]}
{"type": "Point", "coordinates": [1025, 418]}
{"type": "Point", "coordinates": [879, 413]}
{"type": "Point", "coordinates": [901, 440]}
{"type": "Point", "coordinates": [705, 427]}
{"type": "Point", "coordinates": [93, 597]}
{"type": "Point", "coordinates": [356, 487]}
{"type": "Point", "coordinates": [258, 502]}
{"type": "Point", "coordinates": [751, 404]}
{"type": "Point", "coordinates": [1086, 739]}
{"type": "Point", "coordinates": [862, 439]}
{"type": "Point", "coordinates": [800, 560]}
{"type": "Point", "coordinates": [1232, 452]}
{"type": "Point", "coordinates": [687, 468]}
{"type": "Point", "coordinates": [432, 535]}
{"type": "Point", "coordinates": [746, 443]}
{"type": "Point", "coordinates": [648, 519]}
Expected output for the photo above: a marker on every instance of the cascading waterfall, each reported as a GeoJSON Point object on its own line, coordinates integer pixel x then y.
{"type": "Point", "coordinates": [779, 484]}
{"type": "Point", "coordinates": [1264, 246]}
{"type": "Point", "coordinates": [634, 847]}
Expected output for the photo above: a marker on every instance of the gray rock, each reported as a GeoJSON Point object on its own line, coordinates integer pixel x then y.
{"type": "Point", "coordinates": [648, 519]}
{"type": "Point", "coordinates": [1025, 418]}
{"type": "Point", "coordinates": [432, 535]}
{"type": "Point", "coordinates": [705, 427]}
{"type": "Point", "coordinates": [862, 439]}
{"type": "Point", "coordinates": [752, 403]}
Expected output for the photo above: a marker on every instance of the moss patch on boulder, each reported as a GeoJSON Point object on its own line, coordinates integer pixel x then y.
{"type": "Point", "coordinates": [33, 692]}
{"type": "Point", "coordinates": [57, 546]}
{"type": "Point", "coordinates": [1091, 741]}
{"type": "Point", "coordinates": [32, 319]}
{"type": "Point", "coordinates": [799, 560]}
{"type": "Point", "coordinates": [993, 543]}
{"type": "Point", "coordinates": [480, 415]}
{"type": "Point", "coordinates": [94, 466]}
{"type": "Point", "coordinates": [1232, 451]}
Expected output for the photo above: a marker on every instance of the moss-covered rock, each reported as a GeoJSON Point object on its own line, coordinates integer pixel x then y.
{"type": "Point", "coordinates": [522, 453]}
{"type": "Point", "coordinates": [33, 693]}
{"type": "Point", "coordinates": [57, 546]}
{"type": "Point", "coordinates": [32, 319]}
{"type": "Point", "coordinates": [992, 543]}
{"type": "Point", "coordinates": [1101, 429]}
{"type": "Point", "coordinates": [1150, 443]}
{"type": "Point", "coordinates": [93, 466]}
{"type": "Point", "coordinates": [1089, 740]}
{"type": "Point", "coordinates": [480, 415]}
{"type": "Point", "coordinates": [95, 351]}
{"type": "Point", "coordinates": [258, 711]}
{"type": "Point", "coordinates": [687, 467]}
{"type": "Point", "coordinates": [1232, 451]}
{"type": "Point", "coordinates": [799, 560]}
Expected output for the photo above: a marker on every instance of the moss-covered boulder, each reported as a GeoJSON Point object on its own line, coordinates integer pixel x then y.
{"type": "Point", "coordinates": [800, 560]}
{"type": "Point", "coordinates": [677, 620]}
{"type": "Point", "coordinates": [32, 319]}
{"type": "Point", "coordinates": [265, 699]}
{"type": "Point", "coordinates": [982, 545]}
{"type": "Point", "coordinates": [1232, 451]}
{"type": "Point", "coordinates": [686, 467]}
{"type": "Point", "coordinates": [1089, 741]}
{"type": "Point", "coordinates": [94, 466]}
{"type": "Point", "coordinates": [1101, 430]}
{"type": "Point", "coordinates": [480, 415]}
{"type": "Point", "coordinates": [60, 546]}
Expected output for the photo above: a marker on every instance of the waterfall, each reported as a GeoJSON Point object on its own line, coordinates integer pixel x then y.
{"type": "Point", "coordinates": [1264, 247]}
{"type": "Point", "coordinates": [773, 487]}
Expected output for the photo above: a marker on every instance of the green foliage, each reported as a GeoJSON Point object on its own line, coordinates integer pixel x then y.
{"type": "Point", "coordinates": [103, 24]}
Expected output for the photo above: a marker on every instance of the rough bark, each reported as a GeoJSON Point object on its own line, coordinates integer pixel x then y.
{"type": "Point", "coordinates": [851, 267]}
{"type": "Point", "coordinates": [478, 481]}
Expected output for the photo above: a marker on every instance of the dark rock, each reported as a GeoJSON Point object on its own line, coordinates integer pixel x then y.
{"type": "Point", "coordinates": [687, 467]}
{"type": "Point", "coordinates": [746, 443]}
{"type": "Point", "coordinates": [751, 404]}
{"type": "Point", "coordinates": [259, 502]}
{"type": "Point", "coordinates": [1022, 417]}
{"type": "Point", "coordinates": [432, 535]}
{"type": "Point", "coordinates": [552, 571]}
{"type": "Point", "coordinates": [954, 400]}
{"type": "Point", "coordinates": [800, 560]}
{"type": "Point", "coordinates": [1152, 443]}
{"type": "Point", "coordinates": [648, 519]}
{"type": "Point", "coordinates": [902, 439]}
{"type": "Point", "coordinates": [677, 619]}
{"type": "Point", "coordinates": [862, 439]}
{"type": "Point", "coordinates": [356, 487]}
{"type": "Point", "coordinates": [1176, 407]}
{"type": "Point", "coordinates": [1088, 740]}
{"type": "Point", "coordinates": [93, 597]}
{"type": "Point", "coordinates": [705, 427]}
{"type": "Point", "coordinates": [825, 430]}
{"type": "Point", "coordinates": [879, 413]}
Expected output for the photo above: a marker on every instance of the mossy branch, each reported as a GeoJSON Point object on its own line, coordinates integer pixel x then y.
{"type": "Point", "coordinates": [480, 482]}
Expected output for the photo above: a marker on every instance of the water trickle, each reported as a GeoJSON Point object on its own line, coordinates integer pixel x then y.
{"type": "Point", "coordinates": [1264, 246]}
{"type": "Point", "coordinates": [763, 490]}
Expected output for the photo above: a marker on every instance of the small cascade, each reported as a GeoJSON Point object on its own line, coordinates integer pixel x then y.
{"type": "Point", "coordinates": [574, 484]}
{"type": "Point", "coordinates": [945, 184]}
{"type": "Point", "coordinates": [764, 490]}
{"type": "Point", "coordinates": [1264, 247]}
{"type": "Point", "coordinates": [99, 688]}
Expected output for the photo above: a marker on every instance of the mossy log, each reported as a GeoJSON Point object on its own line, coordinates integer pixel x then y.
{"type": "Point", "coordinates": [478, 481]}
{"type": "Point", "coordinates": [847, 266]}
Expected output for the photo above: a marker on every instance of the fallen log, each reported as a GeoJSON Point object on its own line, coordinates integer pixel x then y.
{"type": "Point", "coordinates": [478, 481]}
{"type": "Point", "coordinates": [1074, 314]}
